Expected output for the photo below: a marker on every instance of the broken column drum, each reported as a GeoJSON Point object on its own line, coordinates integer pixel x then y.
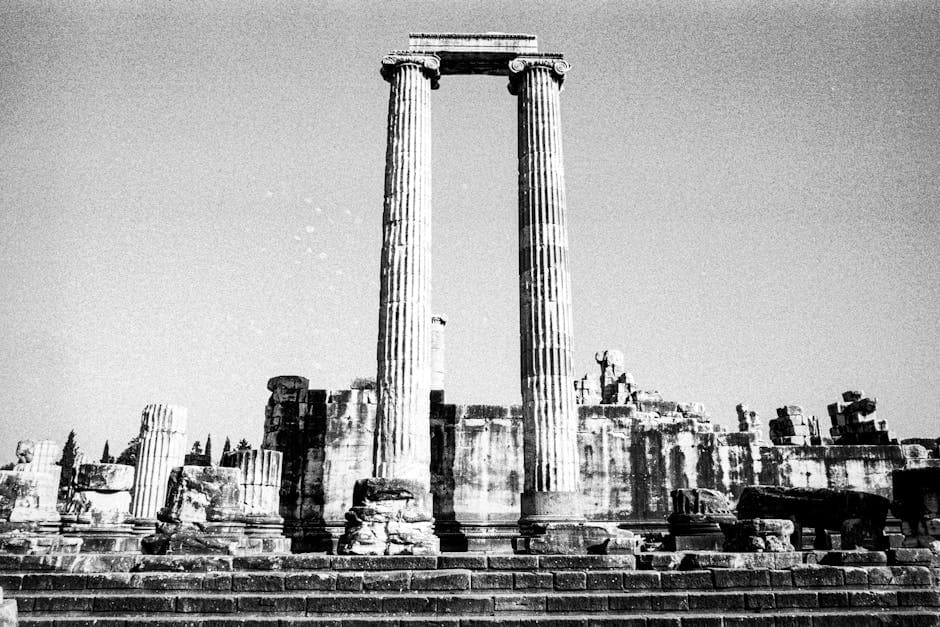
{"type": "Point", "coordinates": [551, 488]}
{"type": "Point", "coordinates": [162, 448]}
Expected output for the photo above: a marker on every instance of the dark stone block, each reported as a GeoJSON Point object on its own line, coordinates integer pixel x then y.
{"type": "Point", "coordinates": [817, 576]}
{"type": "Point", "coordinates": [759, 600]}
{"type": "Point", "coordinates": [491, 581]}
{"type": "Point", "coordinates": [919, 598]}
{"type": "Point", "coordinates": [795, 599]}
{"type": "Point", "coordinates": [872, 598]}
{"type": "Point", "coordinates": [570, 581]}
{"type": "Point", "coordinates": [106, 581]}
{"type": "Point", "coordinates": [576, 603]}
{"type": "Point", "coordinates": [630, 602]}
{"type": "Point", "coordinates": [521, 603]}
{"type": "Point", "coordinates": [716, 601]}
{"type": "Point", "coordinates": [384, 562]}
{"type": "Point", "coordinates": [793, 621]}
{"type": "Point", "coordinates": [513, 562]}
{"type": "Point", "coordinates": [53, 582]}
{"type": "Point", "coordinates": [135, 604]}
{"type": "Point", "coordinates": [471, 562]}
{"type": "Point", "coordinates": [701, 621]}
{"type": "Point", "coordinates": [409, 604]}
{"type": "Point", "coordinates": [670, 601]}
{"type": "Point", "coordinates": [167, 581]}
{"type": "Point", "coordinates": [310, 581]}
{"type": "Point", "coordinates": [687, 580]}
{"type": "Point", "coordinates": [642, 580]}
{"type": "Point", "coordinates": [440, 580]}
{"type": "Point", "coordinates": [66, 603]}
{"type": "Point", "coordinates": [216, 581]}
{"type": "Point", "coordinates": [206, 605]}
{"type": "Point", "coordinates": [854, 558]}
{"type": "Point", "coordinates": [781, 579]}
{"type": "Point", "coordinates": [832, 598]}
{"type": "Point", "coordinates": [910, 576]}
{"type": "Point", "coordinates": [909, 557]}
{"type": "Point", "coordinates": [11, 582]}
{"type": "Point", "coordinates": [465, 604]}
{"type": "Point", "coordinates": [531, 581]}
{"type": "Point", "coordinates": [855, 576]}
{"type": "Point", "coordinates": [397, 580]}
{"type": "Point", "coordinates": [306, 561]}
{"type": "Point", "coordinates": [603, 580]}
{"type": "Point", "coordinates": [252, 582]}
{"type": "Point", "coordinates": [740, 578]}
{"type": "Point", "coordinates": [344, 604]}
{"type": "Point", "coordinates": [349, 582]}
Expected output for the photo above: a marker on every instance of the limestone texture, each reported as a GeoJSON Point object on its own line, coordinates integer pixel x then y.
{"type": "Point", "coordinates": [387, 519]}
{"type": "Point", "coordinates": [758, 535]}
{"type": "Point", "coordinates": [917, 504]}
{"type": "Point", "coordinates": [545, 323]}
{"type": "Point", "coordinates": [199, 494]}
{"type": "Point", "coordinates": [402, 446]}
{"type": "Point", "coordinates": [162, 448]}
{"type": "Point", "coordinates": [105, 477]}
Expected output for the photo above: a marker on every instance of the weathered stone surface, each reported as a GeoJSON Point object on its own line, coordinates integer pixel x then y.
{"type": "Point", "coordinates": [27, 496]}
{"type": "Point", "coordinates": [105, 477]}
{"type": "Point", "coordinates": [198, 494]}
{"type": "Point", "coordinates": [860, 516]}
{"type": "Point", "coordinates": [758, 535]}
{"type": "Point", "coordinates": [100, 508]}
{"type": "Point", "coordinates": [189, 541]}
{"type": "Point", "coordinates": [386, 520]}
{"type": "Point", "coordinates": [260, 480]}
{"type": "Point", "coordinates": [162, 448]}
{"type": "Point", "coordinates": [577, 539]}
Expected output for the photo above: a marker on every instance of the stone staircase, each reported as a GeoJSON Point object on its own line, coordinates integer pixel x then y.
{"type": "Point", "coordinates": [466, 590]}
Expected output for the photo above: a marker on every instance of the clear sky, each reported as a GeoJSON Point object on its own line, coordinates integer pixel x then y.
{"type": "Point", "coordinates": [191, 202]}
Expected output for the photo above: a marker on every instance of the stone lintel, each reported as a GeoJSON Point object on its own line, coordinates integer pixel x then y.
{"type": "Point", "coordinates": [476, 53]}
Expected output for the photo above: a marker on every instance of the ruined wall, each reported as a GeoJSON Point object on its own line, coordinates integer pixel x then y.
{"type": "Point", "coordinates": [630, 461]}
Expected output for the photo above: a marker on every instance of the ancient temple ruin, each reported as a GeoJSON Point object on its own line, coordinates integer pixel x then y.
{"type": "Point", "coordinates": [596, 500]}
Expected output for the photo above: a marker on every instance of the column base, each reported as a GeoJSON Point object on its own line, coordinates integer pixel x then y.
{"type": "Point", "coordinates": [387, 518]}
{"type": "Point", "coordinates": [541, 508]}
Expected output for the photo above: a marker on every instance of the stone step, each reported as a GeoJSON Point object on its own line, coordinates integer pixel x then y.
{"type": "Point", "coordinates": [806, 577]}
{"type": "Point", "coordinates": [464, 603]}
{"type": "Point", "coordinates": [843, 618]}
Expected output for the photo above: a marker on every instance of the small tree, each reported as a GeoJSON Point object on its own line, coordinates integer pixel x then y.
{"type": "Point", "coordinates": [106, 457]}
{"type": "Point", "coordinates": [227, 447]}
{"type": "Point", "coordinates": [209, 447]}
{"type": "Point", "coordinates": [129, 454]}
{"type": "Point", "coordinates": [243, 445]}
{"type": "Point", "coordinates": [70, 452]}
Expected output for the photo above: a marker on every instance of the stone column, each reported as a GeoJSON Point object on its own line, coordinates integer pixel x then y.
{"type": "Point", "coordinates": [550, 420]}
{"type": "Point", "coordinates": [391, 511]}
{"type": "Point", "coordinates": [260, 483]}
{"type": "Point", "coordinates": [402, 441]}
{"type": "Point", "coordinates": [162, 448]}
{"type": "Point", "coordinates": [438, 370]}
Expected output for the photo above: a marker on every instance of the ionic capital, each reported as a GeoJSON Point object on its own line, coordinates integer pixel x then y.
{"type": "Point", "coordinates": [520, 65]}
{"type": "Point", "coordinates": [430, 65]}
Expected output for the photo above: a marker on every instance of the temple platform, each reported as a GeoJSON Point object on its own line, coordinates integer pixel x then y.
{"type": "Point", "coordinates": [677, 589]}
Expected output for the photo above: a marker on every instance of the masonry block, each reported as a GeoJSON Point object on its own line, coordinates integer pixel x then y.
{"type": "Point", "coordinates": [396, 580]}
{"type": "Point", "coordinates": [687, 580]}
{"type": "Point", "coordinates": [817, 576]}
{"type": "Point", "coordinates": [630, 602]}
{"type": "Point", "coordinates": [206, 605]}
{"type": "Point", "coordinates": [310, 581]}
{"type": "Point", "coordinates": [491, 581]}
{"type": "Point", "coordinates": [642, 580]}
{"type": "Point", "coordinates": [520, 603]}
{"type": "Point", "coordinates": [470, 562]}
{"type": "Point", "coordinates": [736, 578]}
{"type": "Point", "coordinates": [669, 602]}
{"type": "Point", "coordinates": [604, 580]}
{"type": "Point", "coordinates": [532, 581]}
{"type": "Point", "coordinates": [716, 601]}
{"type": "Point", "coordinates": [465, 604]}
{"type": "Point", "coordinates": [257, 582]}
{"type": "Point", "coordinates": [513, 562]}
{"type": "Point", "coordinates": [570, 580]}
{"type": "Point", "coordinates": [576, 603]}
{"type": "Point", "coordinates": [440, 580]}
{"type": "Point", "coordinates": [795, 599]}
{"type": "Point", "coordinates": [872, 598]}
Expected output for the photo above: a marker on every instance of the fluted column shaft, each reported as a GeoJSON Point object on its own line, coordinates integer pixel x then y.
{"type": "Point", "coordinates": [260, 480]}
{"type": "Point", "coordinates": [402, 441]}
{"type": "Point", "coordinates": [549, 412]}
{"type": "Point", "coordinates": [162, 448]}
